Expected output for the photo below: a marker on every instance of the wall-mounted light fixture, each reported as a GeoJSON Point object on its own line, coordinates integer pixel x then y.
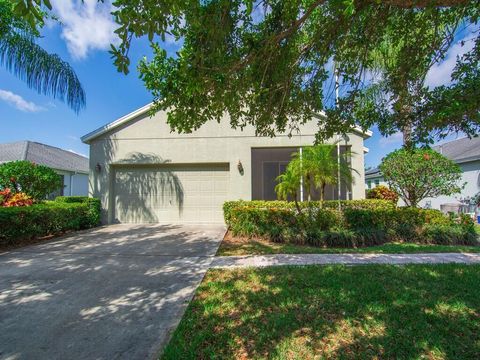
{"type": "Point", "coordinates": [240, 167]}
{"type": "Point", "coordinates": [98, 167]}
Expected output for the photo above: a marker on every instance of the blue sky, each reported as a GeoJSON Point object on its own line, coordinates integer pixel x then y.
{"type": "Point", "coordinates": [83, 40]}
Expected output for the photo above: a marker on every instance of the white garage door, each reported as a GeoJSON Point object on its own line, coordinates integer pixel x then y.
{"type": "Point", "coordinates": [170, 194]}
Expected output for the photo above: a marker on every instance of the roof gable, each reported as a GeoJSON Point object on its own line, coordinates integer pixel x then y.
{"type": "Point", "coordinates": [124, 120]}
{"type": "Point", "coordinates": [43, 154]}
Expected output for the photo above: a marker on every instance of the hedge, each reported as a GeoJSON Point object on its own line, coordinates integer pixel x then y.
{"type": "Point", "coordinates": [359, 223]}
{"type": "Point", "coordinates": [48, 218]}
{"type": "Point", "coordinates": [289, 205]}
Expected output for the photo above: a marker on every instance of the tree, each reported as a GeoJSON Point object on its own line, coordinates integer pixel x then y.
{"type": "Point", "coordinates": [321, 163]}
{"type": "Point", "coordinates": [46, 73]}
{"type": "Point", "coordinates": [289, 184]}
{"type": "Point", "coordinates": [401, 63]}
{"type": "Point", "coordinates": [318, 167]}
{"type": "Point", "coordinates": [269, 68]}
{"type": "Point", "coordinates": [37, 181]}
{"type": "Point", "coordinates": [266, 62]}
{"type": "Point", "coordinates": [416, 174]}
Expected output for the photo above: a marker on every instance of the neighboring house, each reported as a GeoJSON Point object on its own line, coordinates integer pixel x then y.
{"type": "Point", "coordinates": [143, 172]}
{"type": "Point", "coordinates": [466, 153]}
{"type": "Point", "coordinates": [373, 178]}
{"type": "Point", "coordinates": [72, 167]}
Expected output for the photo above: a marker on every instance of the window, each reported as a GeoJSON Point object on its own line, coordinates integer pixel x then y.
{"type": "Point", "coordinates": [267, 165]}
{"type": "Point", "coordinates": [377, 182]}
{"type": "Point", "coordinates": [369, 184]}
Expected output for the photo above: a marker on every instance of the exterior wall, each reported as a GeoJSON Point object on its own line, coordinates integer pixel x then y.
{"type": "Point", "coordinates": [148, 140]}
{"type": "Point", "coordinates": [373, 180]}
{"type": "Point", "coordinates": [75, 184]}
{"type": "Point", "coordinates": [471, 173]}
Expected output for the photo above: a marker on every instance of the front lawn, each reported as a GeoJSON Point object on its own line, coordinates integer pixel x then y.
{"type": "Point", "coordinates": [232, 246]}
{"type": "Point", "coordinates": [361, 312]}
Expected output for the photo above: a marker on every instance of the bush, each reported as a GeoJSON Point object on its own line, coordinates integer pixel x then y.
{"type": "Point", "coordinates": [37, 181]}
{"type": "Point", "coordinates": [290, 205]}
{"type": "Point", "coordinates": [47, 218]}
{"type": "Point", "coordinates": [361, 223]}
{"type": "Point", "coordinates": [383, 193]}
{"type": "Point", "coordinates": [448, 235]}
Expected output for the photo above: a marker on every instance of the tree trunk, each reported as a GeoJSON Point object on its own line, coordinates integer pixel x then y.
{"type": "Point", "coordinates": [297, 205]}
{"type": "Point", "coordinates": [407, 136]}
{"type": "Point", "coordinates": [322, 194]}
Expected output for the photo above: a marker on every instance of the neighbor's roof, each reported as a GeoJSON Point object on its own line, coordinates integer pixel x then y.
{"type": "Point", "coordinates": [124, 119]}
{"type": "Point", "coordinates": [372, 173]}
{"type": "Point", "coordinates": [460, 150]}
{"type": "Point", "coordinates": [42, 154]}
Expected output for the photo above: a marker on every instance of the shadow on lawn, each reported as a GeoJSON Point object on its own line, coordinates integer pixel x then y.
{"type": "Point", "coordinates": [334, 312]}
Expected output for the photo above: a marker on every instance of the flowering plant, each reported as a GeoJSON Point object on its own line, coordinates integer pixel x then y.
{"type": "Point", "coordinates": [8, 199]}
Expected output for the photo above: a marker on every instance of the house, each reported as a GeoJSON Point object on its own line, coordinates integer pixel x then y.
{"type": "Point", "coordinates": [73, 168]}
{"type": "Point", "coordinates": [143, 172]}
{"type": "Point", "coordinates": [466, 153]}
{"type": "Point", "coordinates": [373, 178]}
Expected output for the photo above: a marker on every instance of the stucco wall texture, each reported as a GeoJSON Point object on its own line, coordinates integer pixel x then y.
{"type": "Point", "coordinates": [149, 140]}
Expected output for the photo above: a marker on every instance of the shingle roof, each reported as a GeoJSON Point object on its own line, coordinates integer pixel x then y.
{"type": "Point", "coordinates": [460, 150]}
{"type": "Point", "coordinates": [42, 154]}
{"type": "Point", "coordinates": [373, 173]}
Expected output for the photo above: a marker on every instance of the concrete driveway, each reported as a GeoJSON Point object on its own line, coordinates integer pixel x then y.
{"type": "Point", "coordinates": [116, 292]}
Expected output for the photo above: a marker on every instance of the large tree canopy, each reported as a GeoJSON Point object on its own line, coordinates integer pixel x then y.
{"type": "Point", "coordinates": [268, 63]}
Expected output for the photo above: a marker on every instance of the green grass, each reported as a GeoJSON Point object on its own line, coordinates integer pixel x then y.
{"type": "Point", "coordinates": [337, 312]}
{"type": "Point", "coordinates": [232, 246]}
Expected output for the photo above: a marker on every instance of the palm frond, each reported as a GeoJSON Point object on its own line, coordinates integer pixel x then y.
{"type": "Point", "coordinates": [43, 72]}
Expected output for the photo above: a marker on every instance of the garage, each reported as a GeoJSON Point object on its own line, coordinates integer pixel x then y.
{"type": "Point", "coordinates": [170, 193]}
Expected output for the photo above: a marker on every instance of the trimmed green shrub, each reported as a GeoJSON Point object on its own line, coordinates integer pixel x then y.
{"type": "Point", "coordinates": [329, 204]}
{"type": "Point", "coordinates": [360, 223]}
{"type": "Point", "coordinates": [72, 199]}
{"type": "Point", "coordinates": [47, 218]}
{"type": "Point", "coordinates": [448, 235]}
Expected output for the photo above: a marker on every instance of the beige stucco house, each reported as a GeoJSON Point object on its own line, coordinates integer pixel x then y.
{"type": "Point", "coordinates": [143, 172]}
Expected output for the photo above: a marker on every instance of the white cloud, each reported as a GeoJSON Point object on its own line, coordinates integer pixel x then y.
{"type": "Point", "coordinates": [87, 25]}
{"type": "Point", "coordinates": [19, 102]}
{"type": "Point", "coordinates": [392, 140]}
{"type": "Point", "coordinates": [440, 73]}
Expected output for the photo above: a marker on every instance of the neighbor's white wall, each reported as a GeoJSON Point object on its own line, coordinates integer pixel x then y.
{"type": "Point", "coordinates": [471, 172]}
{"type": "Point", "coordinates": [74, 184]}
{"type": "Point", "coordinates": [381, 182]}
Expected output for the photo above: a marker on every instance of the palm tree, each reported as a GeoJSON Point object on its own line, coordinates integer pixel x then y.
{"type": "Point", "coordinates": [46, 73]}
{"type": "Point", "coordinates": [289, 184]}
{"type": "Point", "coordinates": [321, 166]}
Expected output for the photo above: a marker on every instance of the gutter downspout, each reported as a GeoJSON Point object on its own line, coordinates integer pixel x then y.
{"type": "Point", "coordinates": [71, 182]}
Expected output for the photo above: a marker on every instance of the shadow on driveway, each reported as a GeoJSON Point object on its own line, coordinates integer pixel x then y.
{"type": "Point", "coordinates": [110, 293]}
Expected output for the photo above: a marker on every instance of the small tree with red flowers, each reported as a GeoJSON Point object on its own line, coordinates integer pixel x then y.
{"type": "Point", "coordinates": [416, 174]}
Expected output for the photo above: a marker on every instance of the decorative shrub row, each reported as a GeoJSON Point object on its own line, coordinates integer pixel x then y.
{"type": "Point", "coordinates": [48, 218]}
{"type": "Point", "coordinates": [360, 223]}
{"type": "Point", "coordinates": [289, 205]}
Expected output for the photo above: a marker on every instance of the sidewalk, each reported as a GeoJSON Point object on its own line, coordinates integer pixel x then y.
{"type": "Point", "coordinates": [345, 259]}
